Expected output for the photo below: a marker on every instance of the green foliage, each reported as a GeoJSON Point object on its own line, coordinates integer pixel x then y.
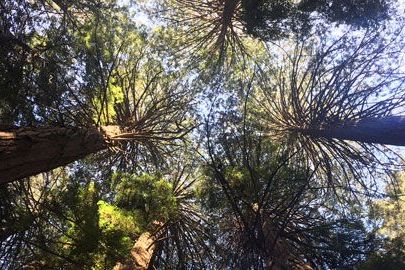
{"type": "Point", "coordinates": [270, 20]}
{"type": "Point", "coordinates": [88, 63]}
{"type": "Point", "coordinates": [150, 195]}
{"type": "Point", "coordinates": [113, 218]}
{"type": "Point", "coordinates": [77, 207]}
{"type": "Point", "coordinates": [111, 44]}
{"type": "Point", "coordinates": [70, 226]}
{"type": "Point", "coordinates": [390, 212]}
{"type": "Point", "coordinates": [39, 60]}
{"type": "Point", "coordinates": [119, 229]}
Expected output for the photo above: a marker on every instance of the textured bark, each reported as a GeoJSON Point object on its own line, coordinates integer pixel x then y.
{"type": "Point", "coordinates": [386, 130]}
{"type": "Point", "coordinates": [281, 255]}
{"type": "Point", "coordinates": [141, 252]}
{"type": "Point", "coordinates": [28, 151]}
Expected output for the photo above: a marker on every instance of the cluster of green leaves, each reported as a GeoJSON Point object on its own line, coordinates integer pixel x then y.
{"type": "Point", "coordinates": [151, 196]}
{"type": "Point", "coordinates": [65, 222]}
{"type": "Point", "coordinates": [62, 224]}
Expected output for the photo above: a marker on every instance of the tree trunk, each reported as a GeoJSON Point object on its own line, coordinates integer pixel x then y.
{"type": "Point", "coordinates": [281, 254]}
{"type": "Point", "coordinates": [141, 252]}
{"type": "Point", "coordinates": [28, 151]}
{"type": "Point", "coordinates": [226, 21]}
{"type": "Point", "coordinates": [386, 130]}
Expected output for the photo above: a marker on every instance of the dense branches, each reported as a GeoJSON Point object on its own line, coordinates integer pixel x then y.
{"type": "Point", "coordinates": [232, 134]}
{"type": "Point", "coordinates": [102, 77]}
{"type": "Point", "coordinates": [329, 104]}
{"type": "Point", "coordinates": [270, 20]}
{"type": "Point", "coordinates": [271, 212]}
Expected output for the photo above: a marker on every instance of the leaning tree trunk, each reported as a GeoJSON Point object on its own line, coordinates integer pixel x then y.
{"type": "Point", "coordinates": [141, 252]}
{"type": "Point", "coordinates": [388, 130]}
{"type": "Point", "coordinates": [28, 151]}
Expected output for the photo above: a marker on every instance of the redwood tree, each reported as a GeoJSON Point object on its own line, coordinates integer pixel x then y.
{"type": "Point", "coordinates": [338, 106]}
{"type": "Point", "coordinates": [270, 211]}
{"type": "Point", "coordinates": [104, 88]}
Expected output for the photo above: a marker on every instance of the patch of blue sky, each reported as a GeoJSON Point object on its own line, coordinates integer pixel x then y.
{"type": "Point", "coordinates": [140, 12]}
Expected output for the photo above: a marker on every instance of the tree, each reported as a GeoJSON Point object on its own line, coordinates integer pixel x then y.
{"type": "Point", "coordinates": [338, 107]}
{"type": "Point", "coordinates": [121, 99]}
{"type": "Point", "coordinates": [70, 222]}
{"type": "Point", "coordinates": [279, 175]}
{"type": "Point", "coordinates": [39, 47]}
{"type": "Point", "coordinates": [271, 212]}
{"type": "Point", "coordinates": [211, 27]}
{"type": "Point", "coordinates": [174, 231]}
{"type": "Point", "coordinates": [56, 224]}
{"type": "Point", "coordinates": [270, 20]}
{"type": "Point", "coordinates": [221, 28]}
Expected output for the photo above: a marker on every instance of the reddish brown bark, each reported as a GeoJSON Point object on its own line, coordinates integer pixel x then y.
{"type": "Point", "coordinates": [141, 252]}
{"type": "Point", "coordinates": [386, 130]}
{"type": "Point", "coordinates": [28, 151]}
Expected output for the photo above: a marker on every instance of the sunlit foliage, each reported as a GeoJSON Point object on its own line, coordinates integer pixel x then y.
{"type": "Point", "coordinates": [229, 134]}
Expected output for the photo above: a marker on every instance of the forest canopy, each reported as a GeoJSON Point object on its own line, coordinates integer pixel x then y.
{"type": "Point", "coordinates": [202, 134]}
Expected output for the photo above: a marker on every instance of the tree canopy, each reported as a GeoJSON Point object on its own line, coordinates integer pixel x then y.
{"type": "Point", "coordinates": [179, 134]}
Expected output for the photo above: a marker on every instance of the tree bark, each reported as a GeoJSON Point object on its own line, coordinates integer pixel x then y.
{"type": "Point", "coordinates": [386, 130]}
{"type": "Point", "coordinates": [141, 252]}
{"type": "Point", "coordinates": [28, 151]}
{"type": "Point", "coordinates": [281, 255]}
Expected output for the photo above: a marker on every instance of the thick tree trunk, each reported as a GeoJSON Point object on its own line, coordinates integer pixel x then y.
{"type": "Point", "coordinates": [141, 252]}
{"type": "Point", "coordinates": [226, 22]}
{"type": "Point", "coordinates": [281, 255]}
{"type": "Point", "coordinates": [28, 151]}
{"type": "Point", "coordinates": [386, 130]}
